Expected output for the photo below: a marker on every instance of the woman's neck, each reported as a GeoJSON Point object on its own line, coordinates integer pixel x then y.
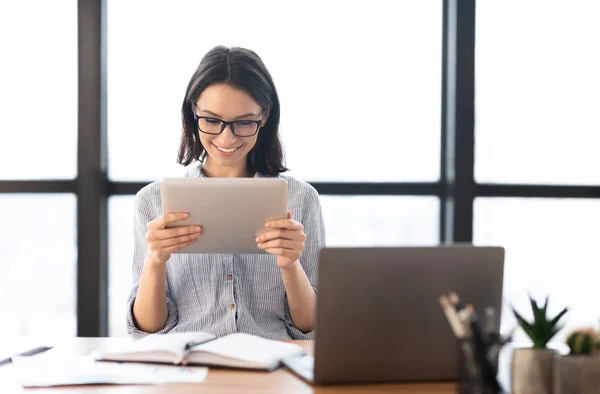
{"type": "Point", "coordinates": [213, 171]}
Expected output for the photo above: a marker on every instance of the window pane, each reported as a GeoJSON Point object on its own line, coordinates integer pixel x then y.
{"type": "Point", "coordinates": [537, 92]}
{"type": "Point", "coordinates": [551, 249]}
{"type": "Point", "coordinates": [120, 259]}
{"type": "Point", "coordinates": [366, 99]}
{"type": "Point", "coordinates": [38, 255]}
{"type": "Point", "coordinates": [359, 221]}
{"type": "Point", "coordinates": [38, 94]}
{"type": "Point", "coordinates": [380, 220]}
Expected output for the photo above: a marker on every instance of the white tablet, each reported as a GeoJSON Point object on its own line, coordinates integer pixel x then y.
{"type": "Point", "coordinates": [231, 211]}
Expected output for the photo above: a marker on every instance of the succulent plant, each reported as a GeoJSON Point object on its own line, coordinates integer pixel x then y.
{"type": "Point", "coordinates": [583, 341]}
{"type": "Point", "coordinates": [542, 329]}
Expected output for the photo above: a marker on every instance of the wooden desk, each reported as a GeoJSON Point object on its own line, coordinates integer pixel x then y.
{"type": "Point", "coordinates": [218, 380]}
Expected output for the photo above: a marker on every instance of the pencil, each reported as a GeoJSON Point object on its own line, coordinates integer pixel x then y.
{"type": "Point", "coordinates": [452, 316]}
{"type": "Point", "coordinates": [459, 332]}
{"type": "Point", "coordinates": [455, 300]}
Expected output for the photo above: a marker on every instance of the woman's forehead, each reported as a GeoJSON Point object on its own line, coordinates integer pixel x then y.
{"type": "Point", "coordinates": [227, 101]}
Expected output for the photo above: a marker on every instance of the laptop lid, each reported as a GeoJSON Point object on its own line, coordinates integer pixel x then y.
{"type": "Point", "coordinates": [378, 314]}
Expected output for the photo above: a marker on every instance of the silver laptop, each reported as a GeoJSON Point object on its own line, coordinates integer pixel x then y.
{"type": "Point", "coordinates": [378, 316]}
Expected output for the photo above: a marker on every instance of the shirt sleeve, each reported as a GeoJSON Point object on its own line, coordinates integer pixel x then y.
{"type": "Point", "coordinates": [143, 214]}
{"type": "Point", "coordinates": [312, 221]}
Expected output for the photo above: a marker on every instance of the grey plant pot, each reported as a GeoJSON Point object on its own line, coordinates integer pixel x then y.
{"type": "Point", "coordinates": [577, 374]}
{"type": "Point", "coordinates": [532, 371]}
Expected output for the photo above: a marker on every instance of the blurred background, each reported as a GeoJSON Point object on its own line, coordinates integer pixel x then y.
{"type": "Point", "coordinates": [419, 122]}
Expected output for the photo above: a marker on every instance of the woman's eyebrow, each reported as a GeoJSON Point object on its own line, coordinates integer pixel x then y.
{"type": "Point", "coordinates": [210, 113]}
{"type": "Point", "coordinates": [247, 115]}
{"type": "Point", "coordinates": [219, 116]}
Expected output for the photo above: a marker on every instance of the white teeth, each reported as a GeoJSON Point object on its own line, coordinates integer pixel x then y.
{"type": "Point", "coordinates": [226, 150]}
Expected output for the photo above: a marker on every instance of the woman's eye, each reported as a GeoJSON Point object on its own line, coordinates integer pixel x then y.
{"type": "Point", "coordinates": [211, 121]}
{"type": "Point", "coordinates": [244, 123]}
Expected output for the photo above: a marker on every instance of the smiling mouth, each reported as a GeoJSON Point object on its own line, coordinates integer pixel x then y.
{"type": "Point", "coordinates": [227, 150]}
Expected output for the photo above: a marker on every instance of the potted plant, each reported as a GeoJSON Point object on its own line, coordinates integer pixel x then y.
{"type": "Point", "coordinates": [579, 371]}
{"type": "Point", "coordinates": [532, 368]}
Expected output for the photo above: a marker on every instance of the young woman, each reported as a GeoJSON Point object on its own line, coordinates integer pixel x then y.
{"type": "Point", "coordinates": [230, 118]}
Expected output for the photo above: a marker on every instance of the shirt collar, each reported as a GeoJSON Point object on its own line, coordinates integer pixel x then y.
{"type": "Point", "coordinates": [196, 172]}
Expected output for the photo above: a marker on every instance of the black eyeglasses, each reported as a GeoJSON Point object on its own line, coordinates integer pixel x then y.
{"type": "Point", "coordinates": [240, 128]}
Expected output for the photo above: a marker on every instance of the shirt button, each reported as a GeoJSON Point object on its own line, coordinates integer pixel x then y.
{"type": "Point", "coordinates": [229, 277]}
{"type": "Point", "coordinates": [232, 306]}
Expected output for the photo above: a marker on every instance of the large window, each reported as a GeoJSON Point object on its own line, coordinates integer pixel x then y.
{"type": "Point", "coordinates": [414, 130]}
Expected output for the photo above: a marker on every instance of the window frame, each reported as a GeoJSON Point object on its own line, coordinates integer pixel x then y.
{"type": "Point", "coordinates": [456, 188]}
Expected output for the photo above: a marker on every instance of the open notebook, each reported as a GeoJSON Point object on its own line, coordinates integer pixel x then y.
{"type": "Point", "coordinates": [199, 348]}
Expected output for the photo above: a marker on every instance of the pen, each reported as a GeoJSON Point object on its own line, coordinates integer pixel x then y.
{"type": "Point", "coordinates": [190, 345]}
{"type": "Point", "coordinates": [453, 318]}
{"type": "Point", "coordinates": [30, 352]}
{"type": "Point", "coordinates": [490, 324]}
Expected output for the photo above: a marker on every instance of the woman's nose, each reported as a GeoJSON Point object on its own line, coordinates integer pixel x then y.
{"type": "Point", "coordinates": [227, 137]}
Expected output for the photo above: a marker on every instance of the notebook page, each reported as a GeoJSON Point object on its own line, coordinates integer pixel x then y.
{"type": "Point", "coordinates": [174, 342]}
{"type": "Point", "coordinates": [83, 370]}
{"type": "Point", "coordinates": [251, 348]}
{"type": "Point", "coordinates": [157, 347]}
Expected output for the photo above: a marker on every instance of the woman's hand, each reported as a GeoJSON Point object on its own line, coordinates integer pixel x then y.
{"type": "Point", "coordinates": [163, 241]}
{"type": "Point", "coordinates": [285, 239]}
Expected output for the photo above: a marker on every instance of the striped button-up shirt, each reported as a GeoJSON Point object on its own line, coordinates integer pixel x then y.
{"type": "Point", "coordinates": [227, 293]}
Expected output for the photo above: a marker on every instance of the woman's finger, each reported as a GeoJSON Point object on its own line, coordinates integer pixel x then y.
{"type": "Point", "coordinates": [283, 244]}
{"type": "Point", "coordinates": [174, 232]}
{"type": "Point", "coordinates": [284, 223]}
{"type": "Point", "coordinates": [177, 240]}
{"type": "Point", "coordinates": [162, 221]}
{"type": "Point", "coordinates": [281, 233]}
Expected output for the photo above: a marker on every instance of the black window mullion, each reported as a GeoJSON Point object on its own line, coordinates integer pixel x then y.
{"type": "Point", "coordinates": [537, 191]}
{"type": "Point", "coordinates": [329, 188]}
{"type": "Point", "coordinates": [458, 120]}
{"type": "Point", "coordinates": [38, 186]}
{"type": "Point", "coordinates": [92, 184]}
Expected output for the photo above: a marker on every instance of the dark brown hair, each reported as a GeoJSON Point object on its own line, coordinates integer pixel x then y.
{"type": "Point", "coordinates": [242, 69]}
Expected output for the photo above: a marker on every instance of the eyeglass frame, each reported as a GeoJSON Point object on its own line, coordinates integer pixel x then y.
{"type": "Point", "coordinates": [230, 124]}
